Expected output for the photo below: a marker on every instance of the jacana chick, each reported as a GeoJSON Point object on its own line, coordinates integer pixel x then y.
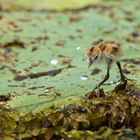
{"type": "Point", "coordinates": [109, 52]}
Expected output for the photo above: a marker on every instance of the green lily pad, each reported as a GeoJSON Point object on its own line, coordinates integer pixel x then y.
{"type": "Point", "coordinates": [34, 45]}
{"type": "Point", "coordinates": [44, 73]}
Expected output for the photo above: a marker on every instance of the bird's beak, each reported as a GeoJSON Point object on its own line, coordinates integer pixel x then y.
{"type": "Point", "coordinates": [90, 62]}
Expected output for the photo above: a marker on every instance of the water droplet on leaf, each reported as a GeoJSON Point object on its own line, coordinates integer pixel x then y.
{"type": "Point", "coordinates": [84, 77]}
{"type": "Point", "coordinates": [54, 61]}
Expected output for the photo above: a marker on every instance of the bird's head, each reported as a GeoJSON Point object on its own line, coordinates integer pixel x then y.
{"type": "Point", "coordinates": [93, 54]}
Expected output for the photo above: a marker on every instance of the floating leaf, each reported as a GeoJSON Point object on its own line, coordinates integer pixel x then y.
{"type": "Point", "coordinates": [47, 49]}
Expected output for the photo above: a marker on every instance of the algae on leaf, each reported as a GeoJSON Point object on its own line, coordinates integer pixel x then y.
{"type": "Point", "coordinates": [114, 116]}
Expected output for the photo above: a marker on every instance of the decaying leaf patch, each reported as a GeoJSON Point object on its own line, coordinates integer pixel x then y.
{"type": "Point", "coordinates": [23, 76]}
{"type": "Point", "coordinates": [115, 115]}
{"type": "Point", "coordinates": [54, 72]}
{"type": "Point", "coordinates": [6, 53]}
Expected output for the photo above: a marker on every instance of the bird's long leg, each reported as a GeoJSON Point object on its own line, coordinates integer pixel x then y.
{"type": "Point", "coordinates": [123, 77]}
{"type": "Point", "coordinates": [106, 76]}
{"type": "Point", "coordinates": [98, 86]}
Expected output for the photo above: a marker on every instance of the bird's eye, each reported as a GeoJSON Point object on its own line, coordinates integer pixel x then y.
{"type": "Point", "coordinates": [96, 57]}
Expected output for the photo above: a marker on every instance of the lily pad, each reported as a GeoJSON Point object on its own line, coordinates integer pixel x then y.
{"type": "Point", "coordinates": [44, 72]}
{"type": "Point", "coordinates": [30, 41]}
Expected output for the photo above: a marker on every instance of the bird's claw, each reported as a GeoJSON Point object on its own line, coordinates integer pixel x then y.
{"type": "Point", "coordinates": [96, 94]}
